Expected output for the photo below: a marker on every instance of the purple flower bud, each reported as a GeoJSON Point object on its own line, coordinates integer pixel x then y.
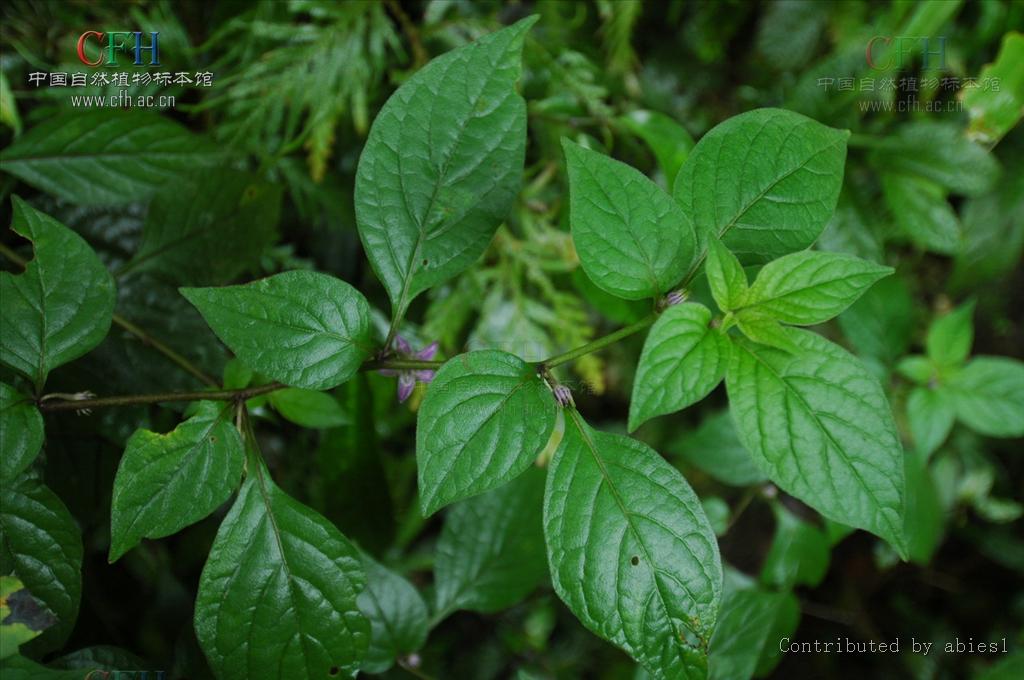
{"type": "Point", "coordinates": [424, 376]}
{"type": "Point", "coordinates": [563, 395]}
{"type": "Point", "coordinates": [428, 352]}
{"type": "Point", "coordinates": [406, 384]}
{"type": "Point", "coordinates": [675, 297]}
{"type": "Point", "coordinates": [402, 345]}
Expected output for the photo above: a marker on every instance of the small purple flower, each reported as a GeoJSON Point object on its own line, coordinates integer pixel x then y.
{"type": "Point", "coordinates": [675, 297]}
{"type": "Point", "coordinates": [563, 395]}
{"type": "Point", "coordinates": [407, 378]}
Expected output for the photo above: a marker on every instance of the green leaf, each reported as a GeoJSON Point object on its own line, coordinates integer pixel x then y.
{"type": "Point", "coordinates": [811, 287]}
{"type": "Point", "coordinates": [630, 550]}
{"type": "Point", "coordinates": [764, 330]}
{"type": "Point", "coordinates": [99, 656]}
{"type": "Point", "coordinates": [397, 616]}
{"type": "Point", "coordinates": [682, 361]}
{"type": "Point", "coordinates": [751, 622]}
{"type": "Point", "coordinates": [41, 545]}
{"type": "Point", "coordinates": [765, 182]}
{"type": "Point", "coordinates": [881, 323]}
{"type": "Point", "coordinates": [106, 157]}
{"type": "Point", "coordinates": [921, 211]}
{"type": "Point", "coordinates": [61, 306]}
{"type": "Point", "coordinates": [21, 432]}
{"type": "Point", "coordinates": [995, 111]}
{"type": "Point", "coordinates": [190, 221]}
{"type": "Point", "coordinates": [799, 554]}
{"type": "Point", "coordinates": [279, 591]}
{"type": "Point", "coordinates": [491, 551]}
{"type": "Point", "coordinates": [717, 512]}
{"type": "Point", "coordinates": [22, 617]}
{"type": "Point", "coordinates": [950, 337]}
{"type": "Point", "coordinates": [930, 415]}
{"type": "Point", "coordinates": [917, 368]}
{"type": "Point", "coordinates": [485, 417]}
{"type": "Point", "coordinates": [302, 328]}
{"type": "Point", "coordinates": [669, 140]}
{"type": "Point", "coordinates": [309, 408]}
{"type": "Point", "coordinates": [988, 395]}
{"type": "Point", "coordinates": [715, 448]}
{"type": "Point", "coordinates": [940, 153]}
{"type": "Point", "coordinates": [632, 239]}
{"type": "Point", "coordinates": [819, 426]}
{"type": "Point", "coordinates": [924, 516]}
{"type": "Point", "coordinates": [726, 277]}
{"type": "Point", "coordinates": [166, 482]}
{"type": "Point", "coordinates": [20, 668]}
{"type": "Point", "coordinates": [442, 165]}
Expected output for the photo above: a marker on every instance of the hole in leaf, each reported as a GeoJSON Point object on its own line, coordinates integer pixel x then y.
{"type": "Point", "coordinates": [635, 561]}
{"type": "Point", "coordinates": [334, 670]}
{"type": "Point", "coordinates": [425, 262]}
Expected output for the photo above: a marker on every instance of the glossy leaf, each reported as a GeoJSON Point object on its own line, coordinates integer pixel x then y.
{"type": "Point", "coordinates": [166, 482]}
{"type": "Point", "coordinates": [61, 306]}
{"type": "Point", "coordinates": [397, 616]}
{"type": "Point", "coordinates": [486, 416]}
{"type": "Point", "coordinates": [726, 277]}
{"type": "Point", "coordinates": [765, 182]}
{"type": "Point", "coordinates": [442, 165]}
{"type": "Point", "coordinates": [302, 328]}
{"type": "Point", "coordinates": [309, 408]}
{"type": "Point", "coordinates": [819, 426]}
{"type": "Point", "coordinates": [21, 432]}
{"type": "Point", "coordinates": [106, 157]}
{"type": "Point", "coordinates": [491, 551]}
{"type": "Point", "coordinates": [630, 550]}
{"type": "Point", "coordinates": [632, 239]}
{"type": "Point", "coordinates": [36, 529]}
{"type": "Point", "coordinates": [765, 330]}
{"type": "Point", "coordinates": [279, 591]}
{"type": "Point", "coordinates": [988, 395]}
{"type": "Point", "coordinates": [811, 287]}
{"type": "Point", "coordinates": [682, 361]}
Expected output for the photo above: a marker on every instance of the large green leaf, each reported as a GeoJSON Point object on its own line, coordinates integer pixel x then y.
{"type": "Point", "coordinates": [302, 328]}
{"type": "Point", "coordinates": [442, 165]}
{"type": "Point", "coordinates": [166, 482]}
{"type": "Point", "coordinates": [61, 306]}
{"type": "Point", "coordinates": [279, 591]}
{"type": "Point", "coordinates": [491, 551]}
{"type": "Point", "coordinates": [397, 615]}
{"type": "Point", "coordinates": [630, 550]}
{"type": "Point", "coordinates": [811, 287]}
{"type": "Point", "coordinates": [486, 416]}
{"type": "Point", "coordinates": [994, 111]}
{"type": "Point", "coordinates": [106, 157]}
{"type": "Point", "coordinates": [41, 545]}
{"type": "Point", "coordinates": [820, 427]}
{"type": "Point", "coordinates": [988, 396]}
{"type": "Point", "coordinates": [682, 361]}
{"type": "Point", "coordinates": [190, 220]}
{"type": "Point", "coordinates": [633, 240]}
{"type": "Point", "coordinates": [309, 408]}
{"type": "Point", "coordinates": [765, 182]}
{"type": "Point", "coordinates": [21, 432]}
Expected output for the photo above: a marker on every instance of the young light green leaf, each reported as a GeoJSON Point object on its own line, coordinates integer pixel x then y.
{"type": "Point", "coordinates": [309, 408]}
{"type": "Point", "coordinates": [669, 140]}
{"type": "Point", "coordinates": [715, 448]}
{"type": "Point", "coordinates": [41, 545]}
{"type": "Point", "coordinates": [726, 277]}
{"type": "Point", "coordinates": [106, 157]}
{"type": "Point", "coordinates": [166, 482]}
{"type": "Point", "coordinates": [21, 432]}
{"type": "Point", "coordinates": [995, 111]}
{"type": "Point", "coordinates": [765, 182]}
{"type": "Point", "coordinates": [765, 330]}
{"type": "Point", "coordinates": [799, 554]}
{"type": "Point", "coordinates": [750, 624]}
{"type": "Point", "coordinates": [811, 287]}
{"type": "Point", "coordinates": [630, 550]}
{"type": "Point", "coordinates": [930, 414]}
{"type": "Point", "coordinates": [301, 328]}
{"type": "Point", "coordinates": [633, 240]}
{"type": "Point", "coordinates": [803, 418]}
{"type": "Point", "coordinates": [950, 337]}
{"type": "Point", "coordinates": [682, 361]}
{"type": "Point", "coordinates": [189, 222]}
{"type": "Point", "coordinates": [486, 416]}
{"type": "Point", "coordinates": [491, 551]}
{"type": "Point", "coordinates": [397, 615]}
{"type": "Point", "coordinates": [917, 368]}
{"type": "Point", "coordinates": [988, 395]}
{"type": "Point", "coordinates": [279, 591]}
{"type": "Point", "coordinates": [61, 306]}
{"type": "Point", "coordinates": [442, 165]}
{"type": "Point", "coordinates": [921, 211]}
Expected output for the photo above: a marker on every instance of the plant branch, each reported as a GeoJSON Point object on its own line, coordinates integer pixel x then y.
{"type": "Point", "coordinates": [63, 404]}
{"type": "Point", "coordinates": [141, 334]}
{"type": "Point", "coordinates": [600, 343]}
{"type": "Point", "coordinates": [401, 365]}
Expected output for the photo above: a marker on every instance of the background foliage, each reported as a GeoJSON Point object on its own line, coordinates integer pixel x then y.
{"type": "Point", "coordinates": [255, 176]}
